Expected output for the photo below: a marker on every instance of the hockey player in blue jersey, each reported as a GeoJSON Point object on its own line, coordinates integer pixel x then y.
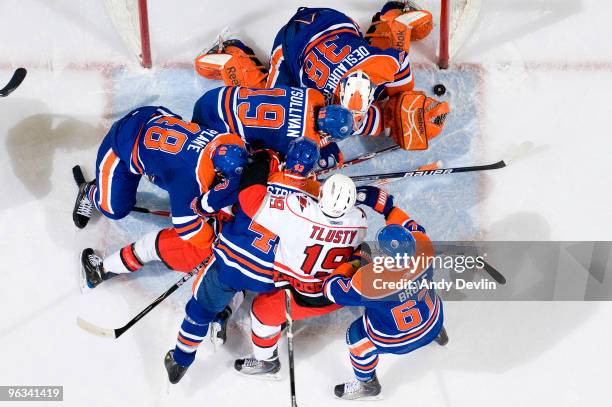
{"type": "Point", "coordinates": [324, 49]}
{"type": "Point", "coordinates": [273, 118]}
{"type": "Point", "coordinates": [396, 321]}
{"type": "Point", "coordinates": [243, 255]}
{"type": "Point", "coordinates": [178, 156]}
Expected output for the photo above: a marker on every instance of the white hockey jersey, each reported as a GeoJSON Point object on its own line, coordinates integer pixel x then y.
{"type": "Point", "coordinates": [311, 244]}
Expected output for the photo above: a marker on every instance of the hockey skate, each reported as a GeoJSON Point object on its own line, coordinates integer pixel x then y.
{"type": "Point", "coordinates": [356, 389]}
{"type": "Point", "coordinates": [262, 369]}
{"type": "Point", "coordinates": [442, 338]}
{"type": "Point", "coordinates": [92, 270]}
{"type": "Point", "coordinates": [175, 371]}
{"type": "Point", "coordinates": [218, 328]}
{"type": "Point", "coordinates": [83, 207]}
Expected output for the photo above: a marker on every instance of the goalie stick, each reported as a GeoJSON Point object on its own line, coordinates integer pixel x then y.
{"type": "Point", "coordinates": [79, 178]}
{"type": "Point", "coordinates": [18, 77]}
{"type": "Point", "coordinates": [521, 150]}
{"type": "Point", "coordinates": [117, 332]}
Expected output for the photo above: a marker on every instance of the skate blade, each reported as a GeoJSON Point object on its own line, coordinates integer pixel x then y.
{"type": "Point", "coordinates": [266, 377]}
{"type": "Point", "coordinates": [82, 279]}
{"type": "Point", "coordinates": [367, 398]}
{"type": "Point", "coordinates": [216, 342]}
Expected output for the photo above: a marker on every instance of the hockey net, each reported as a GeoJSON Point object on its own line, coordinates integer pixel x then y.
{"type": "Point", "coordinates": [456, 19]}
{"type": "Point", "coordinates": [130, 18]}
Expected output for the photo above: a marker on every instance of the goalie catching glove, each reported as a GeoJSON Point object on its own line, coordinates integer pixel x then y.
{"type": "Point", "coordinates": [414, 119]}
{"type": "Point", "coordinates": [397, 24]}
{"type": "Point", "coordinates": [234, 63]}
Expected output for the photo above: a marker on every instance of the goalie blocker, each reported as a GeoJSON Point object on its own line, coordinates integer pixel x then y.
{"type": "Point", "coordinates": [414, 119]}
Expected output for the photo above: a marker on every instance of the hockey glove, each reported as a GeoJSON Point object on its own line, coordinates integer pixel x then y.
{"type": "Point", "coordinates": [329, 154]}
{"type": "Point", "coordinates": [346, 270]}
{"type": "Point", "coordinates": [412, 226]}
{"type": "Point", "coordinates": [375, 198]}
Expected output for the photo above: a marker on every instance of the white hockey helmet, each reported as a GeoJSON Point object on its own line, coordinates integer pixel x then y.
{"type": "Point", "coordinates": [337, 195]}
{"type": "Point", "coordinates": [357, 94]}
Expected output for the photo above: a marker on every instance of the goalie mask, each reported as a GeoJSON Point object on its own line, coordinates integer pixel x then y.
{"type": "Point", "coordinates": [357, 94]}
{"type": "Point", "coordinates": [414, 119]}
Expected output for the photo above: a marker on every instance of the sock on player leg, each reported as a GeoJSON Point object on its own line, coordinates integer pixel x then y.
{"type": "Point", "coordinates": [364, 366]}
{"type": "Point", "coordinates": [265, 339]}
{"type": "Point", "coordinates": [133, 256]}
{"type": "Point", "coordinates": [363, 353]}
{"type": "Point", "coordinates": [193, 330]}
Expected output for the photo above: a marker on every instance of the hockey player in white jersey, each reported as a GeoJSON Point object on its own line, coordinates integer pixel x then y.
{"type": "Point", "coordinates": [312, 237]}
{"type": "Point", "coordinates": [315, 238]}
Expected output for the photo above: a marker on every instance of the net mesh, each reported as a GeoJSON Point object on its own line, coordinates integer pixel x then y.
{"type": "Point", "coordinates": [126, 18]}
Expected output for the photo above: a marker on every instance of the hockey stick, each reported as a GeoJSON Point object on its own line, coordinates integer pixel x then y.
{"type": "Point", "coordinates": [517, 153]}
{"type": "Point", "coordinates": [495, 275]}
{"type": "Point", "coordinates": [140, 209]}
{"type": "Point", "coordinates": [117, 332]}
{"type": "Point", "coordinates": [359, 159]}
{"type": "Point", "coordinates": [290, 345]}
{"type": "Point", "coordinates": [18, 77]}
{"type": "Point", "coordinates": [79, 178]}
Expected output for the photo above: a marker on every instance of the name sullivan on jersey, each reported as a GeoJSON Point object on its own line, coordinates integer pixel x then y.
{"type": "Point", "coordinates": [296, 112]}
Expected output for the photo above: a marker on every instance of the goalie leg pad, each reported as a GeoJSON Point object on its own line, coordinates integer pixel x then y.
{"type": "Point", "coordinates": [414, 119]}
{"type": "Point", "coordinates": [395, 28]}
{"type": "Point", "coordinates": [235, 64]}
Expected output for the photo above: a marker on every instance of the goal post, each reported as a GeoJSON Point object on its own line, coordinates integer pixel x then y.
{"type": "Point", "coordinates": [131, 19]}
{"type": "Point", "coordinates": [458, 19]}
{"type": "Point", "coordinates": [145, 55]}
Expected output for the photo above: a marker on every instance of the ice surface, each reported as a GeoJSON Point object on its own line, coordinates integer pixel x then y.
{"type": "Point", "coordinates": [538, 70]}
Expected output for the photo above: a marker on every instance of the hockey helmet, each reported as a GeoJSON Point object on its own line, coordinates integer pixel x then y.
{"type": "Point", "coordinates": [337, 195]}
{"type": "Point", "coordinates": [302, 156]}
{"type": "Point", "coordinates": [229, 160]}
{"type": "Point", "coordinates": [396, 240]}
{"type": "Point", "coordinates": [336, 121]}
{"type": "Point", "coordinates": [357, 94]}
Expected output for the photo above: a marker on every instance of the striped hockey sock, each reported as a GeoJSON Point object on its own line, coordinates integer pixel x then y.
{"type": "Point", "coordinates": [193, 330]}
{"type": "Point", "coordinates": [364, 359]}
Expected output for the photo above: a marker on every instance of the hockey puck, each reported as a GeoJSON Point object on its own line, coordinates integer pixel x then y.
{"type": "Point", "coordinates": [439, 89]}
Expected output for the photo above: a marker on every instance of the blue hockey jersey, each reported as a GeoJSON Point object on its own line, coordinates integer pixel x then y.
{"type": "Point", "coordinates": [319, 46]}
{"type": "Point", "coordinates": [176, 156]}
{"type": "Point", "coordinates": [264, 118]}
{"type": "Point", "coordinates": [396, 316]}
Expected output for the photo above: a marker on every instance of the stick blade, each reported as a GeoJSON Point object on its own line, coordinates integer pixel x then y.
{"type": "Point", "coordinates": [519, 152]}
{"type": "Point", "coordinates": [77, 173]}
{"type": "Point", "coordinates": [96, 330]}
{"type": "Point", "coordinates": [15, 81]}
